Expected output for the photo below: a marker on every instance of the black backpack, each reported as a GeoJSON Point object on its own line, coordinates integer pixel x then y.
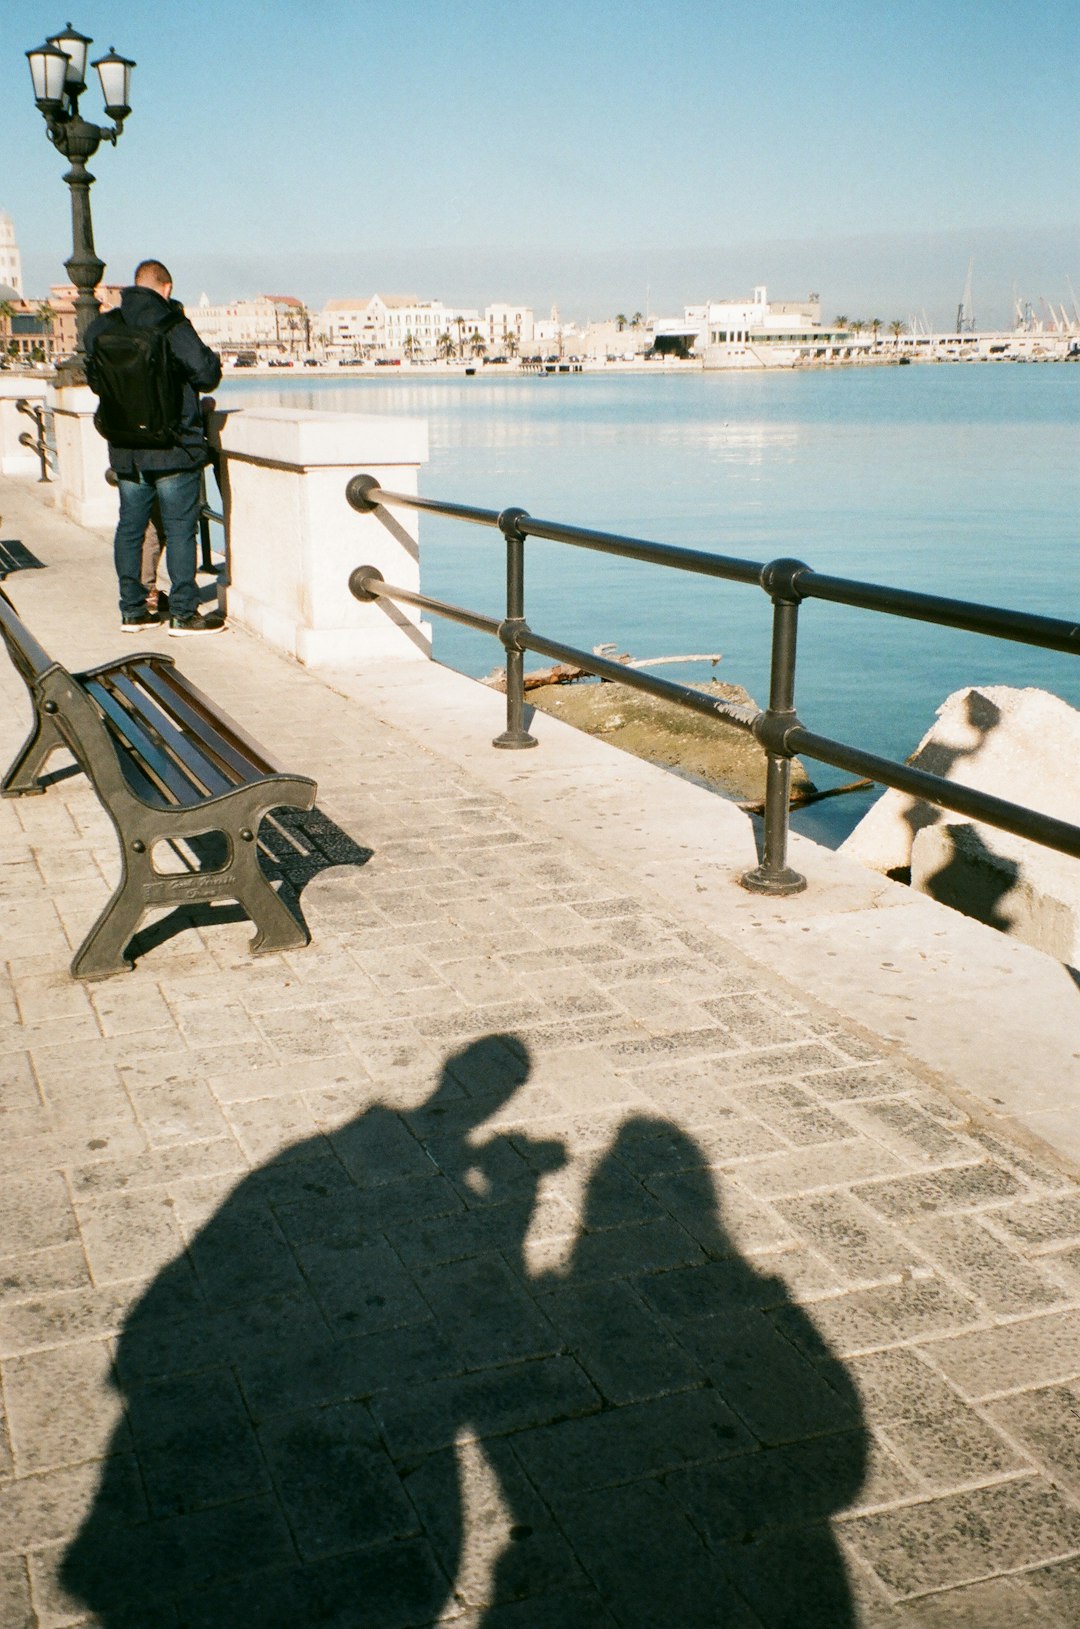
{"type": "Point", "coordinates": [139, 382]}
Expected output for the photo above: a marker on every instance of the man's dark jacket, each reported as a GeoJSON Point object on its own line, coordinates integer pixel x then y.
{"type": "Point", "coordinates": [201, 367]}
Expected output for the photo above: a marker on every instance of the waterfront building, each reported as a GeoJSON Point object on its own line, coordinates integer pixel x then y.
{"type": "Point", "coordinates": [759, 333]}
{"type": "Point", "coordinates": [62, 297]}
{"type": "Point", "coordinates": [508, 328]}
{"type": "Point", "coordinates": [10, 258]}
{"type": "Point", "coordinates": [271, 325]}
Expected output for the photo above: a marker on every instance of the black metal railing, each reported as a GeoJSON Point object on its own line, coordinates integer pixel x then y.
{"type": "Point", "coordinates": [41, 441]}
{"type": "Point", "coordinates": [777, 727]}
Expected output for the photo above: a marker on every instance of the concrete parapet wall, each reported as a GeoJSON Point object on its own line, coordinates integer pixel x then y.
{"type": "Point", "coordinates": [82, 458]}
{"type": "Point", "coordinates": [15, 459]}
{"type": "Point", "coordinates": [293, 538]}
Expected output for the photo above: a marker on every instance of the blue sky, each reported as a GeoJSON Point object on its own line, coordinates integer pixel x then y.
{"type": "Point", "coordinates": [602, 156]}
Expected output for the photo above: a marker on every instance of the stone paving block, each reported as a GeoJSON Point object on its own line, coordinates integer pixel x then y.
{"type": "Point", "coordinates": [194, 1442]}
{"type": "Point", "coordinates": [359, 1289]}
{"type": "Point", "coordinates": [398, 1584]}
{"type": "Point", "coordinates": [890, 1314]}
{"type": "Point", "coordinates": [798, 1577]}
{"type": "Point", "coordinates": [1044, 1224]}
{"type": "Point", "coordinates": [15, 1609]}
{"type": "Point", "coordinates": [999, 1603]}
{"type": "Point", "coordinates": [337, 1485]}
{"type": "Point", "coordinates": [899, 1384]}
{"type": "Point", "coordinates": [627, 1352]}
{"type": "Point", "coordinates": [850, 1237]}
{"type": "Point", "coordinates": [1041, 1172]}
{"type": "Point", "coordinates": [648, 1562]}
{"type": "Point", "coordinates": [347, 1216]}
{"type": "Point", "coordinates": [485, 1313]}
{"type": "Point", "coordinates": [775, 1389]}
{"type": "Point", "coordinates": [486, 1403]}
{"type": "Point", "coordinates": [754, 1020]}
{"type": "Point", "coordinates": [1055, 1590]}
{"type": "Point", "coordinates": [308, 1367]}
{"type": "Point", "coordinates": [963, 1537]}
{"type": "Point", "coordinates": [244, 1256]}
{"type": "Point", "coordinates": [128, 1568]}
{"type": "Point", "coordinates": [120, 1008]}
{"type": "Point", "coordinates": [128, 1236]}
{"type": "Point", "coordinates": [63, 1407]}
{"type": "Point", "coordinates": [903, 1126]}
{"type": "Point", "coordinates": [877, 1077]}
{"type": "Point", "coordinates": [69, 1144]}
{"type": "Point", "coordinates": [1046, 1422]}
{"type": "Point", "coordinates": [511, 1548]}
{"type": "Point", "coordinates": [958, 1188]}
{"type": "Point", "coordinates": [36, 1212]}
{"type": "Point", "coordinates": [997, 1275]}
{"type": "Point", "coordinates": [35, 1510]}
{"type": "Point", "coordinates": [33, 1273]}
{"type": "Point", "coordinates": [638, 1440]}
{"type": "Point", "coordinates": [951, 1447]}
{"type": "Point", "coordinates": [822, 1167]}
{"type": "Point", "coordinates": [744, 1223]}
{"type": "Point", "coordinates": [179, 1111]}
{"type": "Point", "coordinates": [311, 1033]}
{"type": "Point", "coordinates": [436, 1240]}
{"type": "Point", "coordinates": [378, 1147]}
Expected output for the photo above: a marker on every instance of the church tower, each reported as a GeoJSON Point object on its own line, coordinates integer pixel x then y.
{"type": "Point", "coordinates": [10, 259]}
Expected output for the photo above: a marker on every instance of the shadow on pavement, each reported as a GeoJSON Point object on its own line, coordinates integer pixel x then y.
{"type": "Point", "coordinates": [353, 1400]}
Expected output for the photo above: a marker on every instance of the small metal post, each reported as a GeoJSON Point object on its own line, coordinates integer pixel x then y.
{"type": "Point", "coordinates": [774, 875]}
{"type": "Point", "coordinates": [515, 736]}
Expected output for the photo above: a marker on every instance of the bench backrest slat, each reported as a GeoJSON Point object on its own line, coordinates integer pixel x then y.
{"type": "Point", "coordinates": [174, 786]}
{"type": "Point", "coordinates": [195, 710]}
{"type": "Point", "coordinates": [198, 764]}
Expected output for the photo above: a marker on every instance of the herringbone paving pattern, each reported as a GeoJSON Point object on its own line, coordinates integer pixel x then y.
{"type": "Point", "coordinates": [517, 1256]}
{"type": "Point", "coordinates": [514, 1255]}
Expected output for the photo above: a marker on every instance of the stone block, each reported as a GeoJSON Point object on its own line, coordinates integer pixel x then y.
{"type": "Point", "coordinates": [1018, 745]}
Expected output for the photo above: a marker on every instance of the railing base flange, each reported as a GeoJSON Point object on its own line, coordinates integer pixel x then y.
{"type": "Point", "coordinates": [513, 742]}
{"type": "Point", "coordinates": [762, 881]}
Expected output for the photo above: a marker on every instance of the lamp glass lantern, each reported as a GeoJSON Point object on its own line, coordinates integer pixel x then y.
{"type": "Point", "coordinates": [114, 71]}
{"type": "Point", "coordinates": [74, 46]}
{"type": "Point", "coordinates": [48, 69]}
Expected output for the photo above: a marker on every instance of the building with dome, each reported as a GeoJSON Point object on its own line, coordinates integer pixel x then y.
{"type": "Point", "coordinates": [10, 258]}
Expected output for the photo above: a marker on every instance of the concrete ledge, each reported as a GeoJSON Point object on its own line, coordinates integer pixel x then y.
{"type": "Point", "coordinates": [998, 1019]}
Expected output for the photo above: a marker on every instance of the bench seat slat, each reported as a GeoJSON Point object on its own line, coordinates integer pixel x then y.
{"type": "Point", "coordinates": [174, 786]}
{"type": "Point", "coordinates": [196, 712]}
{"type": "Point", "coordinates": [186, 751]}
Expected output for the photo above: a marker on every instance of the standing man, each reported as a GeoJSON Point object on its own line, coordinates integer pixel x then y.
{"type": "Point", "coordinates": [147, 364]}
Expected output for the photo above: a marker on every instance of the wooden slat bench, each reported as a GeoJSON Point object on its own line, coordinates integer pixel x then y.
{"type": "Point", "coordinates": [169, 767]}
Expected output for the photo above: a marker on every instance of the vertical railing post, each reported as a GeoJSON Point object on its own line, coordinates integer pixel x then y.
{"type": "Point", "coordinates": [515, 735]}
{"type": "Point", "coordinates": [774, 875]}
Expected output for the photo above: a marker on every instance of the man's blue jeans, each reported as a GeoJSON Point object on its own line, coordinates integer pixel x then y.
{"type": "Point", "coordinates": [180, 497]}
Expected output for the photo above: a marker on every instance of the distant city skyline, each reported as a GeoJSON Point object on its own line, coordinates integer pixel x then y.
{"type": "Point", "coordinates": [594, 156]}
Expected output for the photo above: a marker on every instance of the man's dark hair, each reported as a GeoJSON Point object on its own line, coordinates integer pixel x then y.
{"type": "Point", "coordinates": [152, 274]}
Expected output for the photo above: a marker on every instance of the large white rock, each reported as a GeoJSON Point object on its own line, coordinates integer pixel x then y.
{"type": "Point", "coordinates": [1021, 745]}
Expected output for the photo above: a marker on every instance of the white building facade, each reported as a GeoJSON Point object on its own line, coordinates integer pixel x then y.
{"type": "Point", "coordinates": [10, 258]}
{"type": "Point", "coordinates": [270, 325]}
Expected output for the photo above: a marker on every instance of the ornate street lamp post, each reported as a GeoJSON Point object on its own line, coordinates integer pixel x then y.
{"type": "Point", "coordinates": [58, 70]}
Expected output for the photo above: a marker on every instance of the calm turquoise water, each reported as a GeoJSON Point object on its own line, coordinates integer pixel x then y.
{"type": "Point", "coordinates": [959, 480]}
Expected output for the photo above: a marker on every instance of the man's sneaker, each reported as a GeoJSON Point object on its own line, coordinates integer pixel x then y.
{"type": "Point", "coordinates": [137, 621]}
{"type": "Point", "coordinates": [179, 627]}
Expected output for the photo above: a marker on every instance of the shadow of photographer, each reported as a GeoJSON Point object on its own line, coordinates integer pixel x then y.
{"type": "Point", "coordinates": [353, 1401]}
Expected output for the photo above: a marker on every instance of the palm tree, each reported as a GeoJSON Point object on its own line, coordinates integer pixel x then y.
{"type": "Point", "coordinates": [510, 343]}
{"type": "Point", "coordinates": [445, 345]}
{"type": "Point", "coordinates": [476, 343]}
{"type": "Point", "coordinates": [620, 322]}
{"type": "Point", "coordinates": [843, 323]}
{"type": "Point", "coordinates": [875, 326]}
{"type": "Point", "coordinates": [636, 320]}
{"type": "Point", "coordinates": [411, 345]}
{"type": "Point", "coordinates": [460, 325]}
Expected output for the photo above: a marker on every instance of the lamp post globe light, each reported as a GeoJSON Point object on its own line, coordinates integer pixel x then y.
{"type": "Point", "coordinates": [58, 70]}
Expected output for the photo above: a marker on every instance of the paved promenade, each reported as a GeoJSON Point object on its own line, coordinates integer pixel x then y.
{"type": "Point", "coordinates": [564, 1240]}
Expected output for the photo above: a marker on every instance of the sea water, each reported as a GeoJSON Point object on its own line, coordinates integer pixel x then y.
{"type": "Point", "coordinates": [959, 480]}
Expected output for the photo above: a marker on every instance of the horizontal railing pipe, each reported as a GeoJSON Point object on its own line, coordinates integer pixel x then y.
{"type": "Point", "coordinates": [778, 728]}
{"type": "Point", "coordinates": [965, 800]}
